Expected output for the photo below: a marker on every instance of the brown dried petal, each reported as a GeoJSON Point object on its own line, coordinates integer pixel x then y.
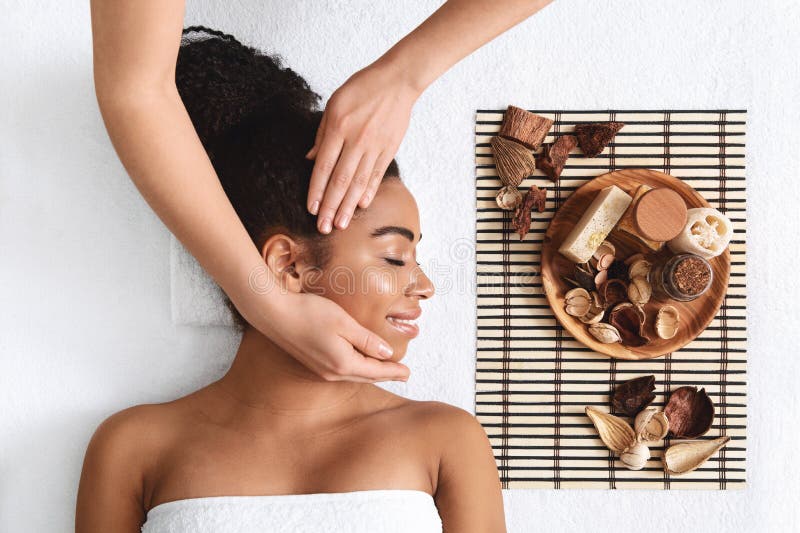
{"type": "Point", "coordinates": [594, 137]}
{"type": "Point", "coordinates": [584, 277]}
{"type": "Point", "coordinates": [525, 127]}
{"type": "Point", "coordinates": [633, 395]}
{"type": "Point", "coordinates": [629, 320]}
{"type": "Point", "coordinates": [513, 161]}
{"type": "Point", "coordinates": [521, 221]}
{"type": "Point", "coordinates": [690, 412]}
{"type": "Point", "coordinates": [554, 156]}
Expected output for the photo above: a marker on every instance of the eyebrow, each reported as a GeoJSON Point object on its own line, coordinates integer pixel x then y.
{"type": "Point", "coordinates": [399, 230]}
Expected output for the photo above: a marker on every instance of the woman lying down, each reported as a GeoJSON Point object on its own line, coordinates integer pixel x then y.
{"type": "Point", "coordinates": [271, 446]}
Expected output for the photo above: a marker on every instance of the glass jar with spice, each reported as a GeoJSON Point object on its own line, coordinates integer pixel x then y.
{"type": "Point", "coordinates": [682, 277]}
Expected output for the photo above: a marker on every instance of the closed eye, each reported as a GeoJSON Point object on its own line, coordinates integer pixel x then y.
{"type": "Point", "coordinates": [395, 262]}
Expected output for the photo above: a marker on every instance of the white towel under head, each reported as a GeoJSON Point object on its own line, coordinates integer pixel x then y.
{"type": "Point", "coordinates": [365, 511]}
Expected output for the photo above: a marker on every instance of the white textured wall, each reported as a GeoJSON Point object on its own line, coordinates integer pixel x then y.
{"type": "Point", "coordinates": [85, 325]}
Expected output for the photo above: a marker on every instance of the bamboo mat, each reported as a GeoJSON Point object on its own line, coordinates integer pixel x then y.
{"type": "Point", "coordinates": [533, 379]}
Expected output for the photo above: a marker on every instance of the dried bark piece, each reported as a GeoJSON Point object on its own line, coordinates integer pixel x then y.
{"type": "Point", "coordinates": [525, 127]}
{"type": "Point", "coordinates": [554, 156]}
{"type": "Point", "coordinates": [534, 197]}
{"type": "Point", "coordinates": [690, 412]}
{"type": "Point", "coordinates": [513, 161]}
{"type": "Point", "coordinates": [595, 136]}
{"type": "Point", "coordinates": [633, 395]}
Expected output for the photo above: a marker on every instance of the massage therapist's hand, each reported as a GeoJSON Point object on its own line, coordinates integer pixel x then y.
{"type": "Point", "coordinates": [359, 134]}
{"type": "Point", "coordinates": [323, 336]}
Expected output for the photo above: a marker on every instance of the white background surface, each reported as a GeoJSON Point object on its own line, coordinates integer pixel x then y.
{"type": "Point", "coordinates": [85, 325]}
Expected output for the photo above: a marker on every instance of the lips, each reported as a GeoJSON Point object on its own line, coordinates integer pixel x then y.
{"type": "Point", "coordinates": [404, 321]}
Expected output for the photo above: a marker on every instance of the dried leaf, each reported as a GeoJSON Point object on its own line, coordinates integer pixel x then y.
{"type": "Point", "coordinates": [633, 395]}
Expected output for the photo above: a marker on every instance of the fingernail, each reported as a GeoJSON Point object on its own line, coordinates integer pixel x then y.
{"type": "Point", "coordinates": [315, 207]}
{"type": "Point", "coordinates": [384, 350]}
{"type": "Point", "coordinates": [326, 225]}
{"type": "Point", "coordinates": [343, 221]}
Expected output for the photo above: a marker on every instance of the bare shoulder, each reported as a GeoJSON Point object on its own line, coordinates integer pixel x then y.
{"type": "Point", "coordinates": [110, 493]}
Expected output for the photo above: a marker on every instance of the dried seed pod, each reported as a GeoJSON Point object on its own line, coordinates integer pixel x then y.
{"type": "Point", "coordinates": [554, 156]}
{"type": "Point", "coordinates": [640, 267]}
{"type": "Point", "coordinates": [605, 261]}
{"type": "Point", "coordinates": [631, 396]}
{"type": "Point", "coordinates": [521, 221]}
{"type": "Point", "coordinates": [685, 457]}
{"type": "Point", "coordinates": [593, 316]}
{"type": "Point", "coordinates": [690, 412]}
{"type": "Point", "coordinates": [629, 321]}
{"type": "Point", "coordinates": [605, 333]}
{"type": "Point", "coordinates": [513, 161]}
{"type": "Point", "coordinates": [525, 127]}
{"type": "Point", "coordinates": [651, 424]}
{"type": "Point", "coordinates": [614, 291]}
{"type": "Point", "coordinates": [615, 433]}
{"type": "Point", "coordinates": [577, 302]}
{"type": "Point", "coordinates": [600, 278]}
{"type": "Point", "coordinates": [594, 137]}
{"type": "Point", "coordinates": [509, 197]}
{"type": "Point", "coordinates": [636, 456]}
{"type": "Point", "coordinates": [639, 290]}
{"type": "Point", "coordinates": [667, 322]}
{"type": "Point", "coordinates": [618, 270]}
{"type": "Point", "coordinates": [584, 276]}
{"type": "Point", "coordinates": [632, 259]}
{"type": "Point", "coordinates": [605, 248]}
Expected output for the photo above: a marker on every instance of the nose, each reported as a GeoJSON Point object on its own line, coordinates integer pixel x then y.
{"type": "Point", "coordinates": [420, 286]}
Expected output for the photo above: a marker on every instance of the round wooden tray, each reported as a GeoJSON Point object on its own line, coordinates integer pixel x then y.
{"type": "Point", "coordinates": [695, 316]}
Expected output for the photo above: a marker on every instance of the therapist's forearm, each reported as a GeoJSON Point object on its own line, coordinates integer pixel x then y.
{"type": "Point", "coordinates": [451, 33]}
{"type": "Point", "coordinates": [159, 147]}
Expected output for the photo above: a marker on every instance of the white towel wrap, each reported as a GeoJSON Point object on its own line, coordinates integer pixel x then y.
{"type": "Point", "coordinates": [366, 511]}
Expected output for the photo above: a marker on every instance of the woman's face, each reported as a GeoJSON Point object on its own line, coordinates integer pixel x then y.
{"type": "Point", "coordinates": [372, 271]}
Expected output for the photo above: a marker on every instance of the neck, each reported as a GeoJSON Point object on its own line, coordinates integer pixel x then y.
{"type": "Point", "coordinates": [265, 377]}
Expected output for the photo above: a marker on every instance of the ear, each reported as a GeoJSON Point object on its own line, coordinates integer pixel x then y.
{"type": "Point", "coordinates": [282, 255]}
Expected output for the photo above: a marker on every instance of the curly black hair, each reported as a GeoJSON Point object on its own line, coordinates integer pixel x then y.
{"type": "Point", "coordinates": [256, 120]}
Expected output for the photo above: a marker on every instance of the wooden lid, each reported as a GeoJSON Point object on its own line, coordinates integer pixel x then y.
{"type": "Point", "coordinates": [660, 214]}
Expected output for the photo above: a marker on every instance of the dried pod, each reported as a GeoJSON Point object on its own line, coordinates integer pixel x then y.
{"type": "Point", "coordinates": [639, 290]}
{"type": "Point", "coordinates": [513, 161]}
{"type": "Point", "coordinates": [577, 302]}
{"type": "Point", "coordinates": [584, 276]}
{"type": "Point", "coordinates": [593, 316]}
{"type": "Point", "coordinates": [640, 267]}
{"type": "Point", "coordinates": [684, 457]}
{"type": "Point", "coordinates": [667, 322]}
{"type": "Point", "coordinates": [632, 259]}
{"type": "Point", "coordinates": [614, 291]}
{"type": "Point", "coordinates": [604, 248]}
{"type": "Point", "coordinates": [594, 137]}
{"type": "Point", "coordinates": [525, 127]}
{"type": "Point", "coordinates": [605, 333]}
{"type": "Point", "coordinates": [618, 270]}
{"type": "Point", "coordinates": [635, 457]}
{"type": "Point", "coordinates": [509, 197]}
{"type": "Point", "coordinates": [600, 278]}
{"type": "Point", "coordinates": [554, 156]}
{"type": "Point", "coordinates": [615, 433]}
{"type": "Point", "coordinates": [629, 321]}
{"type": "Point", "coordinates": [521, 221]}
{"type": "Point", "coordinates": [651, 425]}
{"type": "Point", "coordinates": [605, 261]}
{"type": "Point", "coordinates": [690, 412]}
{"type": "Point", "coordinates": [631, 396]}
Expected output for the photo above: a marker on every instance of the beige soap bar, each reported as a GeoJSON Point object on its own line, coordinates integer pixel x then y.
{"type": "Point", "coordinates": [595, 224]}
